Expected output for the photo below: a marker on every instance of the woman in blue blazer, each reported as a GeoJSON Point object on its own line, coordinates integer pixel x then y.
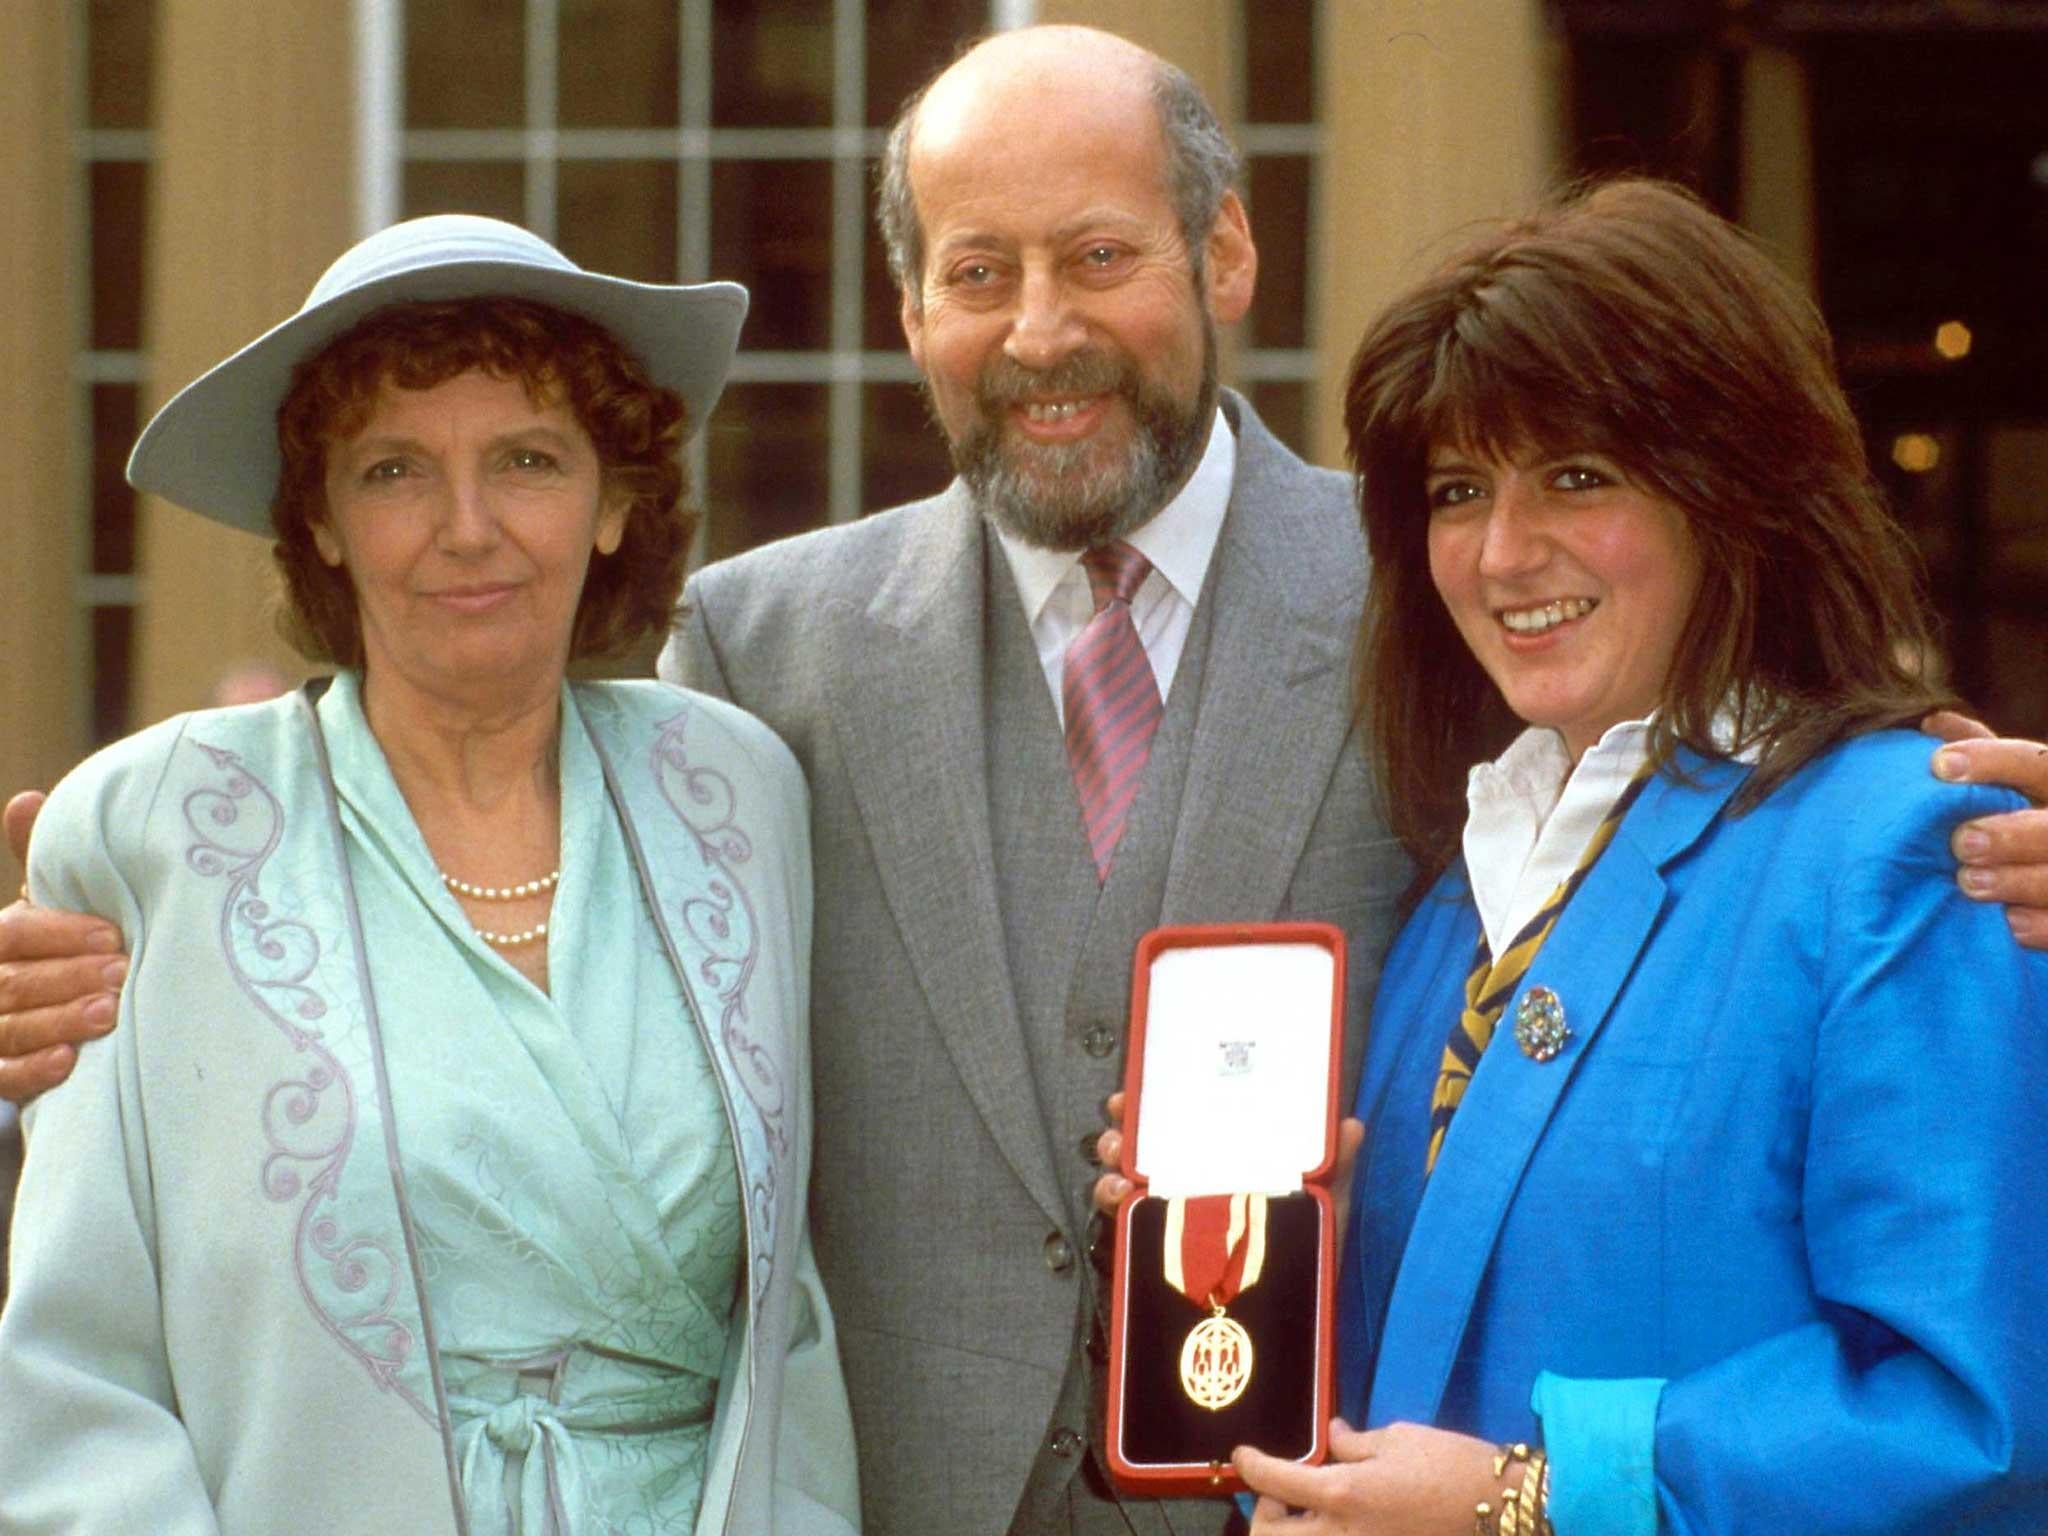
{"type": "Point", "coordinates": [1707, 1139]}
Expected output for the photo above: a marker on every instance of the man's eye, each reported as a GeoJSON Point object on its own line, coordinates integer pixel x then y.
{"type": "Point", "coordinates": [975, 274]}
{"type": "Point", "coordinates": [1100, 255]}
{"type": "Point", "coordinates": [531, 458]}
{"type": "Point", "coordinates": [385, 470]}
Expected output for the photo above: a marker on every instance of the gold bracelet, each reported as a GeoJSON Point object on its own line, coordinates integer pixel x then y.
{"type": "Point", "coordinates": [1507, 1519]}
{"type": "Point", "coordinates": [1535, 1499]}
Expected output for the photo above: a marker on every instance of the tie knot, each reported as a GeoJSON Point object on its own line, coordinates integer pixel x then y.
{"type": "Point", "coordinates": [1115, 572]}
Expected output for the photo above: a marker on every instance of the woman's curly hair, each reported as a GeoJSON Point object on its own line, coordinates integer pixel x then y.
{"type": "Point", "coordinates": [636, 426]}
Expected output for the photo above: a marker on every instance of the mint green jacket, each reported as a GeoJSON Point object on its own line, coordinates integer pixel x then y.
{"type": "Point", "coordinates": [219, 1321]}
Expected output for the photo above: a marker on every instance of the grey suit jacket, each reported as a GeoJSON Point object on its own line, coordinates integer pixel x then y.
{"type": "Point", "coordinates": [937, 1209]}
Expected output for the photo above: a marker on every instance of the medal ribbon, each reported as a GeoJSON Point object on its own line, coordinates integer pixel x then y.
{"type": "Point", "coordinates": [1215, 1246]}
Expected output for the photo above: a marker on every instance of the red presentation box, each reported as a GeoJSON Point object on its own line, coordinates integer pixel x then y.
{"type": "Point", "coordinates": [1231, 1089]}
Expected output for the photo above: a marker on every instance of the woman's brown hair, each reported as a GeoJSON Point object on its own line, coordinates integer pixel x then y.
{"type": "Point", "coordinates": [636, 426]}
{"type": "Point", "coordinates": [1627, 320]}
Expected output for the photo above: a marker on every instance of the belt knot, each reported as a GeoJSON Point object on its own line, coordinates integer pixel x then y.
{"type": "Point", "coordinates": [512, 1425]}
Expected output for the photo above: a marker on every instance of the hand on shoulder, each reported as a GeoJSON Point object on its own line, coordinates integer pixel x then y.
{"type": "Point", "coordinates": [2002, 858]}
{"type": "Point", "coordinates": [60, 979]}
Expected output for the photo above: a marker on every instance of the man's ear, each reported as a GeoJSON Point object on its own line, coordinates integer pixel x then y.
{"type": "Point", "coordinates": [913, 326]}
{"type": "Point", "coordinates": [1231, 268]}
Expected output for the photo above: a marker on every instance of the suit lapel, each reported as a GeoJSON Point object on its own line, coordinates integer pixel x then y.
{"type": "Point", "coordinates": [1586, 961]}
{"type": "Point", "coordinates": [1275, 706]}
{"type": "Point", "coordinates": [910, 723]}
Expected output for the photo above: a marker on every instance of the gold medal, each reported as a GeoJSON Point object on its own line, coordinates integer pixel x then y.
{"type": "Point", "coordinates": [1215, 1249]}
{"type": "Point", "coordinates": [1216, 1362]}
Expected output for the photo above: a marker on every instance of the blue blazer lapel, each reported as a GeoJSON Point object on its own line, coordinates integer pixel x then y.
{"type": "Point", "coordinates": [1586, 961]}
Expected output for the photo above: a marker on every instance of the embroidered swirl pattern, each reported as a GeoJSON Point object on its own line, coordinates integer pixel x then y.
{"type": "Point", "coordinates": [309, 1120]}
{"type": "Point", "coordinates": [720, 919]}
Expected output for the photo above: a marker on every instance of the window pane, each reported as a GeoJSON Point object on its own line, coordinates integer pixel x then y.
{"type": "Point", "coordinates": [765, 466]}
{"type": "Point", "coordinates": [881, 311]}
{"type": "Point", "coordinates": [119, 197]}
{"type": "Point", "coordinates": [771, 228]}
{"type": "Point", "coordinates": [112, 629]}
{"type": "Point", "coordinates": [113, 503]}
{"type": "Point", "coordinates": [1279, 62]}
{"type": "Point", "coordinates": [465, 64]}
{"type": "Point", "coordinates": [1283, 406]}
{"type": "Point", "coordinates": [619, 216]}
{"type": "Point", "coordinates": [902, 454]}
{"type": "Point", "coordinates": [909, 41]}
{"type": "Point", "coordinates": [771, 64]}
{"type": "Point", "coordinates": [1279, 186]}
{"type": "Point", "coordinates": [117, 62]}
{"type": "Point", "coordinates": [494, 187]}
{"type": "Point", "coordinates": [618, 64]}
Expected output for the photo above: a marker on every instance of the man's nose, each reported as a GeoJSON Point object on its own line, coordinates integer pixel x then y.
{"type": "Point", "coordinates": [1046, 328]}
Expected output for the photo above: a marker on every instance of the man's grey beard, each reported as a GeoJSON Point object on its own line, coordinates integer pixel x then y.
{"type": "Point", "coordinates": [1069, 501]}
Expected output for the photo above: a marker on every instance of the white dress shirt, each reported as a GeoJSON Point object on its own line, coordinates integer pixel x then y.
{"type": "Point", "coordinates": [1531, 814]}
{"type": "Point", "coordinates": [1179, 541]}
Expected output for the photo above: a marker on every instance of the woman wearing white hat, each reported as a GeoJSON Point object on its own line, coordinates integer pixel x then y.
{"type": "Point", "coordinates": [446, 1171]}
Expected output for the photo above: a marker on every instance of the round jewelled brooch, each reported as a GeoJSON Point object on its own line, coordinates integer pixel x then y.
{"type": "Point", "coordinates": [1540, 1029]}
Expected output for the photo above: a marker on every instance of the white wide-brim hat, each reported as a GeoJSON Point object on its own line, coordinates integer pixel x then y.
{"type": "Point", "coordinates": [213, 448]}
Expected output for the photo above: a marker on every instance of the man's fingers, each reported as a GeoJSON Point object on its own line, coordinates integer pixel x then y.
{"type": "Point", "coordinates": [43, 1002]}
{"type": "Point", "coordinates": [1947, 725]}
{"type": "Point", "coordinates": [18, 818]}
{"type": "Point", "coordinates": [26, 1031]}
{"type": "Point", "coordinates": [2020, 765]}
{"type": "Point", "coordinates": [22, 1080]}
{"type": "Point", "coordinates": [1110, 1191]}
{"type": "Point", "coordinates": [2004, 858]}
{"type": "Point", "coordinates": [39, 933]}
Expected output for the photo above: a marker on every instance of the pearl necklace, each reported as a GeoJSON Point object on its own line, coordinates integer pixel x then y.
{"type": "Point", "coordinates": [519, 892]}
{"type": "Point", "coordinates": [524, 888]}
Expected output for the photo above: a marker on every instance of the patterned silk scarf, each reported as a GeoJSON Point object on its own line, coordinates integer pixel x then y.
{"type": "Point", "coordinates": [1492, 982]}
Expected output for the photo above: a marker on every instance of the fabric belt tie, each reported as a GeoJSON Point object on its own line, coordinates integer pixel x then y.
{"type": "Point", "coordinates": [519, 1456]}
{"type": "Point", "coordinates": [1111, 701]}
{"type": "Point", "coordinates": [513, 1426]}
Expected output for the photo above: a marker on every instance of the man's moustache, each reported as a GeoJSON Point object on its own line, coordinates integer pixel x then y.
{"type": "Point", "coordinates": [1006, 383]}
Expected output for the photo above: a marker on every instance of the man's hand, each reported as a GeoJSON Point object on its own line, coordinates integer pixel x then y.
{"type": "Point", "coordinates": [1112, 1187]}
{"type": "Point", "coordinates": [60, 976]}
{"type": "Point", "coordinates": [2002, 858]}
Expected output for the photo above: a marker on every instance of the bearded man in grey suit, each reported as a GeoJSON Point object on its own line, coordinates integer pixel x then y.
{"type": "Point", "coordinates": [1060, 219]}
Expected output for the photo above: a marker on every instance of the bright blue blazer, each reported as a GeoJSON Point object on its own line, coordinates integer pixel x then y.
{"type": "Point", "coordinates": [1772, 1222]}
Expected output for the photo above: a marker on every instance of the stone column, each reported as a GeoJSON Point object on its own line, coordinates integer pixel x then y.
{"type": "Point", "coordinates": [43, 662]}
{"type": "Point", "coordinates": [1435, 113]}
{"type": "Point", "coordinates": [250, 201]}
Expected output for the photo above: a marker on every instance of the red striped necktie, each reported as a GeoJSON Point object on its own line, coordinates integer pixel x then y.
{"type": "Point", "coordinates": [1112, 703]}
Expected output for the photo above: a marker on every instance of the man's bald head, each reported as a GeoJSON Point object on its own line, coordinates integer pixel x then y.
{"type": "Point", "coordinates": [1041, 73]}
